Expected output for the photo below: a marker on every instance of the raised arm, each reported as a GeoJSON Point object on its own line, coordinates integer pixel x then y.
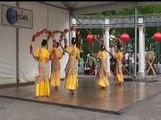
{"type": "Point", "coordinates": [64, 50]}
{"type": "Point", "coordinates": [110, 54]}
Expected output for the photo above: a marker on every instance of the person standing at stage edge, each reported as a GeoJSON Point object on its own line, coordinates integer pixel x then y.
{"type": "Point", "coordinates": [42, 83]}
{"type": "Point", "coordinates": [55, 56]}
{"type": "Point", "coordinates": [103, 81]}
{"type": "Point", "coordinates": [71, 78]}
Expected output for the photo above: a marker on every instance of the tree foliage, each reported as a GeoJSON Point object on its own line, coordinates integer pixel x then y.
{"type": "Point", "coordinates": [150, 9]}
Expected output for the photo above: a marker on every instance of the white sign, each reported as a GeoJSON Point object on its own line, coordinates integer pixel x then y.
{"type": "Point", "coordinates": [17, 17]}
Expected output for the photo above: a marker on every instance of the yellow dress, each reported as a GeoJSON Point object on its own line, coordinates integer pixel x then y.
{"type": "Point", "coordinates": [55, 75]}
{"type": "Point", "coordinates": [119, 73]}
{"type": "Point", "coordinates": [102, 70]}
{"type": "Point", "coordinates": [71, 78]}
{"type": "Point", "coordinates": [42, 83]}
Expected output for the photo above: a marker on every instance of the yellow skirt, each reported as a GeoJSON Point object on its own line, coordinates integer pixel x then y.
{"type": "Point", "coordinates": [119, 78]}
{"type": "Point", "coordinates": [71, 82]}
{"type": "Point", "coordinates": [43, 89]}
{"type": "Point", "coordinates": [55, 78]}
{"type": "Point", "coordinates": [103, 82]}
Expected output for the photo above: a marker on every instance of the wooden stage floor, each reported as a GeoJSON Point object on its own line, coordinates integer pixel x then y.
{"type": "Point", "coordinates": [115, 99]}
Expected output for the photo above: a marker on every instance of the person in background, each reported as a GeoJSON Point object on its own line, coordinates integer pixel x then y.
{"type": "Point", "coordinates": [87, 69]}
{"type": "Point", "coordinates": [91, 63]}
{"type": "Point", "coordinates": [81, 65]}
{"type": "Point", "coordinates": [97, 65]}
{"type": "Point", "coordinates": [42, 83]}
{"type": "Point", "coordinates": [132, 64]}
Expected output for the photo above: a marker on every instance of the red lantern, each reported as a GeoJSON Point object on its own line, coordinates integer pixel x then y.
{"type": "Point", "coordinates": [157, 36]}
{"type": "Point", "coordinates": [90, 38]}
{"type": "Point", "coordinates": [124, 37]}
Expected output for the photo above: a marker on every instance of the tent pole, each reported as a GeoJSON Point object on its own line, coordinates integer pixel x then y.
{"type": "Point", "coordinates": [17, 51]}
{"type": "Point", "coordinates": [47, 17]}
{"type": "Point", "coordinates": [70, 25]}
{"type": "Point", "coordinates": [135, 23]}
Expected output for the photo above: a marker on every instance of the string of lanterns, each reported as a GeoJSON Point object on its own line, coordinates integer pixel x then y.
{"type": "Point", "coordinates": [90, 38]}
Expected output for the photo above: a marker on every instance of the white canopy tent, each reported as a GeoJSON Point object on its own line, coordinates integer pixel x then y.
{"type": "Point", "coordinates": [94, 7]}
{"type": "Point", "coordinates": [22, 66]}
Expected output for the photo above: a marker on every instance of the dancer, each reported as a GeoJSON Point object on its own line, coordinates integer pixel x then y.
{"type": "Point", "coordinates": [102, 75]}
{"type": "Point", "coordinates": [119, 65]}
{"type": "Point", "coordinates": [55, 56]}
{"type": "Point", "coordinates": [42, 83]}
{"type": "Point", "coordinates": [71, 78]}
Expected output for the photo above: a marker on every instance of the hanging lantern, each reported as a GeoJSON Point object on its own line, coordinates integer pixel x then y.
{"type": "Point", "coordinates": [124, 37]}
{"type": "Point", "coordinates": [157, 36]}
{"type": "Point", "coordinates": [90, 38]}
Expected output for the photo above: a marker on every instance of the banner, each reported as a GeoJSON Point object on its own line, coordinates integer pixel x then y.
{"type": "Point", "coordinates": [17, 17]}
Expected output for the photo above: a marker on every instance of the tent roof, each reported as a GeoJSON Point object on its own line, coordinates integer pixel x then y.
{"type": "Point", "coordinates": [93, 7]}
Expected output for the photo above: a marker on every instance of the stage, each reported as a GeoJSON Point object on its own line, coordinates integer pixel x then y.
{"type": "Point", "coordinates": [115, 99]}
